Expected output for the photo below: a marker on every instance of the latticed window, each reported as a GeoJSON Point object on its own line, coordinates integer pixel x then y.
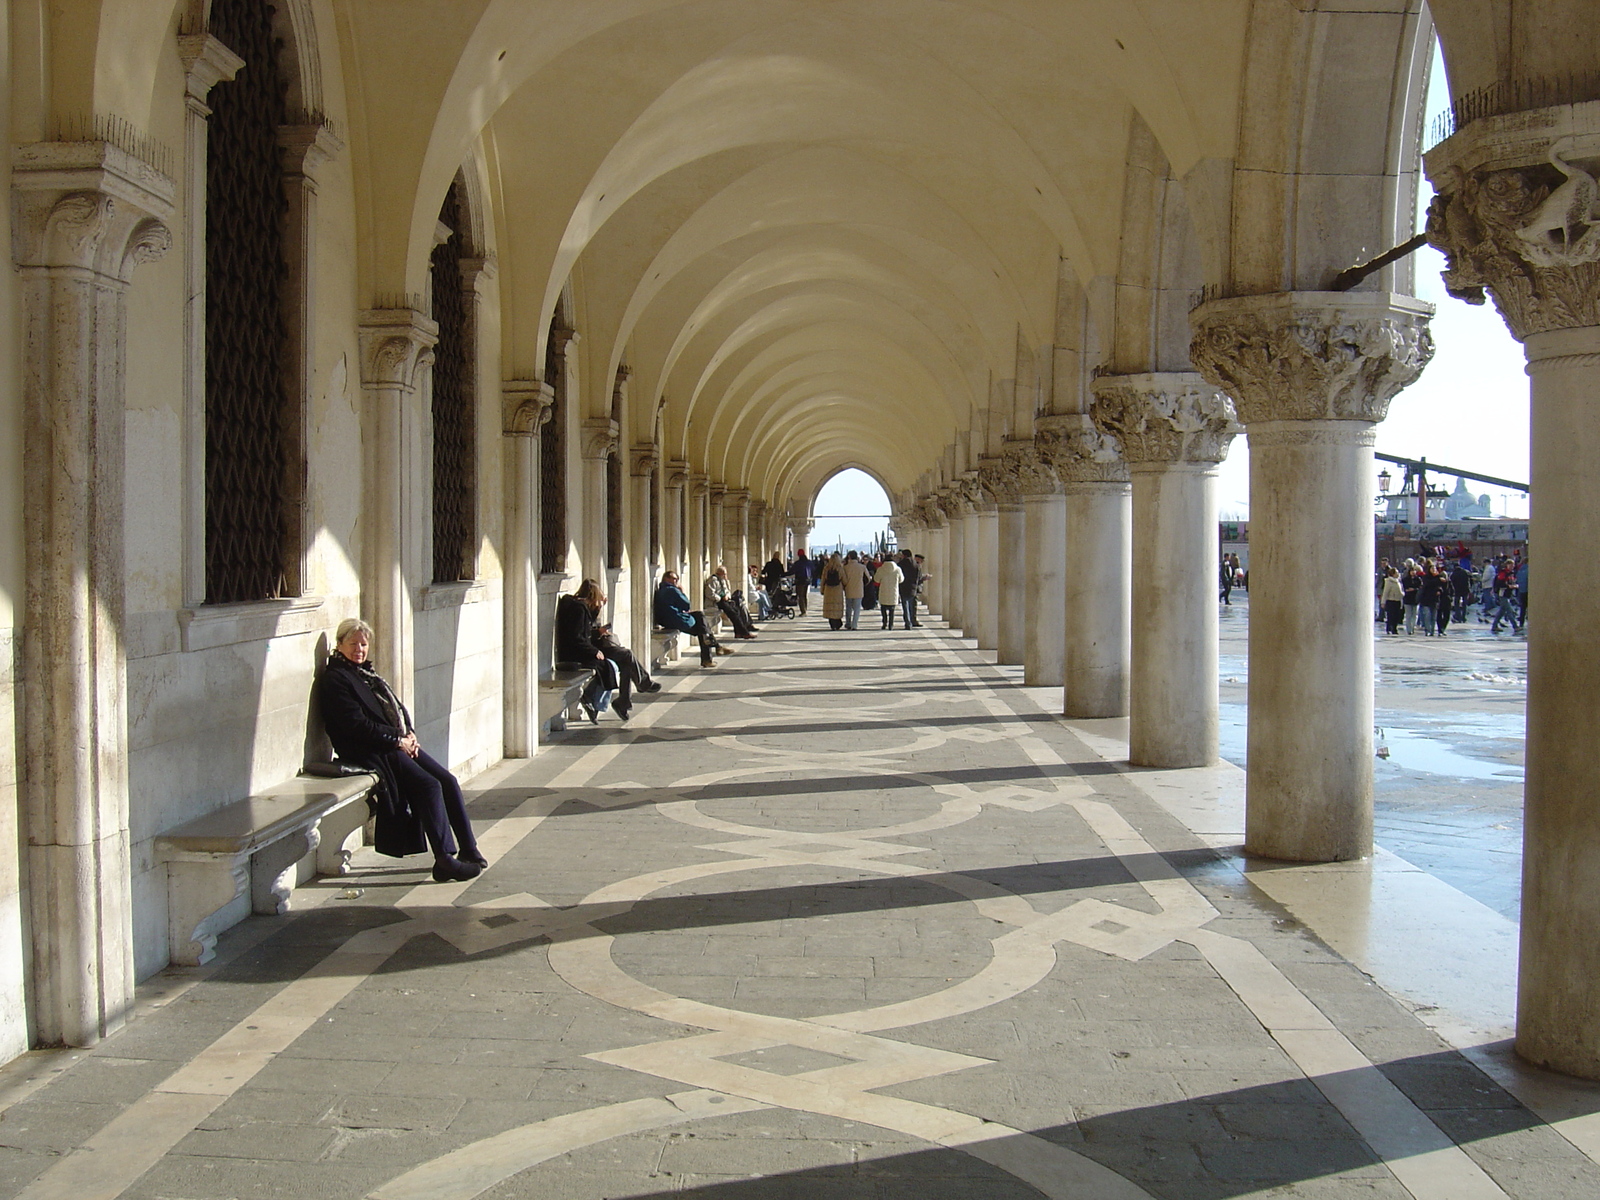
{"type": "Point", "coordinates": [454, 413]}
{"type": "Point", "coordinates": [553, 460]}
{"type": "Point", "coordinates": [247, 402]}
{"type": "Point", "coordinates": [654, 503]}
{"type": "Point", "coordinates": [614, 475]}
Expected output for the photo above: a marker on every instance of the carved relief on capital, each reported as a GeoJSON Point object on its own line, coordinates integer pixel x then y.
{"type": "Point", "coordinates": [1312, 356]}
{"type": "Point", "coordinates": [396, 347]}
{"type": "Point", "coordinates": [1169, 417]}
{"type": "Point", "coordinates": [1517, 214]}
{"type": "Point", "coordinates": [598, 438]}
{"type": "Point", "coordinates": [1077, 452]}
{"type": "Point", "coordinates": [89, 205]}
{"type": "Point", "coordinates": [699, 486]}
{"type": "Point", "coordinates": [1028, 473]}
{"type": "Point", "coordinates": [675, 474]}
{"type": "Point", "coordinates": [526, 406]}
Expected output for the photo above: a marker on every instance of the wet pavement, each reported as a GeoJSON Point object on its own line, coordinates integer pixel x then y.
{"type": "Point", "coordinates": [1449, 716]}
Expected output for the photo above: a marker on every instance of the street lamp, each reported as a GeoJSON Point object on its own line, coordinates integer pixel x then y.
{"type": "Point", "coordinates": [1384, 480]}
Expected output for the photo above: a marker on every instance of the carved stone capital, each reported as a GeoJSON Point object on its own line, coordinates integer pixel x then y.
{"type": "Point", "coordinates": [88, 205]}
{"type": "Point", "coordinates": [699, 485]}
{"type": "Point", "coordinates": [206, 63]}
{"type": "Point", "coordinates": [305, 149]}
{"type": "Point", "coordinates": [598, 438]}
{"type": "Point", "coordinates": [526, 406]}
{"type": "Point", "coordinates": [1078, 452]}
{"type": "Point", "coordinates": [675, 474]}
{"type": "Point", "coordinates": [642, 461]}
{"type": "Point", "coordinates": [396, 346]}
{"type": "Point", "coordinates": [1027, 472]}
{"type": "Point", "coordinates": [1169, 417]}
{"type": "Point", "coordinates": [1312, 356]}
{"type": "Point", "coordinates": [1517, 214]}
{"type": "Point", "coordinates": [735, 499]}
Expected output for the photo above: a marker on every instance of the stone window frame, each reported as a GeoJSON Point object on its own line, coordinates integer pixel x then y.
{"type": "Point", "coordinates": [307, 144]}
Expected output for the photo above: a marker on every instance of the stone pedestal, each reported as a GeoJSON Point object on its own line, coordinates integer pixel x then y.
{"type": "Point", "coordinates": [85, 215]}
{"type": "Point", "coordinates": [1311, 374]}
{"type": "Point", "coordinates": [1173, 428]}
{"type": "Point", "coordinates": [1096, 586]}
{"type": "Point", "coordinates": [1493, 219]}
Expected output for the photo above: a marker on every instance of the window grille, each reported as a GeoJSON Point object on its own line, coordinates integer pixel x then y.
{"type": "Point", "coordinates": [247, 402]}
{"type": "Point", "coordinates": [654, 502]}
{"type": "Point", "coordinates": [553, 460]}
{"type": "Point", "coordinates": [614, 475]}
{"type": "Point", "coordinates": [454, 490]}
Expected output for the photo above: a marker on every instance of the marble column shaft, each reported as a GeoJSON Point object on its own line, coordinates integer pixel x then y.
{"type": "Point", "coordinates": [526, 406]}
{"type": "Point", "coordinates": [1096, 592]}
{"type": "Point", "coordinates": [85, 215]}
{"type": "Point", "coordinates": [1311, 373]}
{"type": "Point", "coordinates": [1492, 220]}
{"type": "Point", "coordinates": [1044, 617]}
{"type": "Point", "coordinates": [1173, 428]}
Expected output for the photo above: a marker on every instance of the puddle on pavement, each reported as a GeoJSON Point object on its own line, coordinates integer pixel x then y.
{"type": "Point", "coordinates": [1415, 752]}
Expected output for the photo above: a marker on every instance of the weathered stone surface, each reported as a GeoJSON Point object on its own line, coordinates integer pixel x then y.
{"type": "Point", "coordinates": [1166, 417]}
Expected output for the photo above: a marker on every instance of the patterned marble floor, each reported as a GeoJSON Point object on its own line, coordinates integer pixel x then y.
{"type": "Point", "coordinates": [852, 916]}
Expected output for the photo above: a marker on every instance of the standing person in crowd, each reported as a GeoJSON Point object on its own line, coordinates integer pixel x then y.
{"type": "Point", "coordinates": [772, 575]}
{"type": "Point", "coordinates": [1411, 582]}
{"type": "Point", "coordinates": [804, 571]}
{"type": "Point", "coordinates": [1429, 594]}
{"type": "Point", "coordinates": [1225, 579]}
{"type": "Point", "coordinates": [1393, 600]}
{"type": "Point", "coordinates": [1505, 597]}
{"type": "Point", "coordinates": [888, 577]}
{"type": "Point", "coordinates": [833, 592]}
{"type": "Point", "coordinates": [671, 611]}
{"type": "Point", "coordinates": [1520, 576]}
{"type": "Point", "coordinates": [910, 579]}
{"type": "Point", "coordinates": [719, 595]}
{"type": "Point", "coordinates": [1486, 589]}
{"type": "Point", "coordinates": [1447, 600]}
{"type": "Point", "coordinates": [855, 586]}
{"type": "Point", "coordinates": [419, 801]}
{"type": "Point", "coordinates": [1460, 589]}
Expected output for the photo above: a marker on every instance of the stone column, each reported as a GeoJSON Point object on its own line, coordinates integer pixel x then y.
{"type": "Point", "coordinates": [936, 557]}
{"type": "Point", "coordinates": [1497, 221]}
{"type": "Point", "coordinates": [955, 568]}
{"type": "Point", "coordinates": [1096, 593]}
{"type": "Point", "coordinates": [1311, 374]}
{"type": "Point", "coordinates": [643, 566]}
{"type": "Point", "coordinates": [1173, 428]}
{"type": "Point", "coordinates": [1039, 561]}
{"type": "Point", "coordinates": [396, 357]}
{"type": "Point", "coordinates": [983, 564]}
{"type": "Point", "coordinates": [736, 536]}
{"type": "Point", "coordinates": [84, 216]}
{"type": "Point", "coordinates": [1010, 581]}
{"type": "Point", "coordinates": [597, 442]}
{"type": "Point", "coordinates": [674, 550]}
{"type": "Point", "coordinates": [526, 405]}
{"type": "Point", "coordinates": [698, 493]}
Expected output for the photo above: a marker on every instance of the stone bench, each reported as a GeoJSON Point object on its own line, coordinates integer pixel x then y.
{"type": "Point", "coordinates": [558, 694]}
{"type": "Point", "coordinates": [664, 646]}
{"type": "Point", "coordinates": [255, 843]}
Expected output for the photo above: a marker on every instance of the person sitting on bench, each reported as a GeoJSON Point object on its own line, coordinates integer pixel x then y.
{"type": "Point", "coordinates": [581, 643]}
{"type": "Point", "coordinates": [720, 593]}
{"type": "Point", "coordinates": [672, 611]}
{"type": "Point", "coordinates": [422, 806]}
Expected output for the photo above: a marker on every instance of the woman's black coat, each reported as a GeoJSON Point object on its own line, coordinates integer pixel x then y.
{"type": "Point", "coordinates": [575, 640]}
{"type": "Point", "coordinates": [363, 735]}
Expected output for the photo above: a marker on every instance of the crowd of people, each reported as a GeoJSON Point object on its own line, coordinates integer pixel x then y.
{"type": "Point", "coordinates": [1431, 593]}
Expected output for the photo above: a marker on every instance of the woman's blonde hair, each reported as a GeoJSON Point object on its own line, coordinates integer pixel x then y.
{"type": "Point", "coordinates": [352, 625]}
{"type": "Point", "coordinates": [589, 592]}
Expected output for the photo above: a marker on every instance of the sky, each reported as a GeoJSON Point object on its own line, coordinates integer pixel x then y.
{"type": "Point", "coordinates": [1469, 409]}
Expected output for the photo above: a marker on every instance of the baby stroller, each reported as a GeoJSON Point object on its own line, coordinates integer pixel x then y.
{"type": "Point", "coordinates": [783, 598]}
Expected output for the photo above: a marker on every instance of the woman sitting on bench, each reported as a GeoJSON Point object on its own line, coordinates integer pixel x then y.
{"type": "Point", "coordinates": [370, 728]}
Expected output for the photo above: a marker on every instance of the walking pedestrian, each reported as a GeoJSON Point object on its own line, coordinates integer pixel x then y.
{"type": "Point", "coordinates": [1393, 600]}
{"type": "Point", "coordinates": [833, 592]}
{"type": "Point", "coordinates": [855, 585]}
{"type": "Point", "coordinates": [910, 580]}
{"type": "Point", "coordinates": [888, 577]}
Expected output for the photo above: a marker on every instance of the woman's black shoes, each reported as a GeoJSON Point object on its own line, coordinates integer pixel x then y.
{"type": "Point", "coordinates": [453, 870]}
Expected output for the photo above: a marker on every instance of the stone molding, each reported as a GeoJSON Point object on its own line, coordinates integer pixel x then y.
{"type": "Point", "coordinates": [1334, 432]}
{"type": "Point", "coordinates": [206, 63]}
{"type": "Point", "coordinates": [526, 406]}
{"type": "Point", "coordinates": [1167, 417]}
{"type": "Point", "coordinates": [699, 485]}
{"type": "Point", "coordinates": [597, 438]}
{"type": "Point", "coordinates": [734, 499]}
{"type": "Point", "coordinates": [1517, 215]}
{"type": "Point", "coordinates": [1078, 452]}
{"type": "Point", "coordinates": [675, 473]}
{"type": "Point", "coordinates": [396, 346]}
{"type": "Point", "coordinates": [1312, 356]}
{"type": "Point", "coordinates": [305, 149]}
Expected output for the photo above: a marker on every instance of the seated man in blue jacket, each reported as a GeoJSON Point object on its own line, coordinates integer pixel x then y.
{"type": "Point", "coordinates": [672, 611]}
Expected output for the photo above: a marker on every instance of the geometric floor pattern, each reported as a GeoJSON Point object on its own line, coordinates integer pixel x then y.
{"type": "Point", "coordinates": [848, 917]}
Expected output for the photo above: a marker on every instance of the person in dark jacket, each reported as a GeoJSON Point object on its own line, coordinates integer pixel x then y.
{"type": "Point", "coordinates": [804, 571]}
{"type": "Point", "coordinates": [910, 577]}
{"type": "Point", "coordinates": [672, 611]}
{"type": "Point", "coordinates": [370, 728]}
{"type": "Point", "coordinates": [581, 642]}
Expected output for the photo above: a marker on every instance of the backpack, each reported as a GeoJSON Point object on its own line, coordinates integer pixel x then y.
{"type": "Point", "coordinates": [832, 578]}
